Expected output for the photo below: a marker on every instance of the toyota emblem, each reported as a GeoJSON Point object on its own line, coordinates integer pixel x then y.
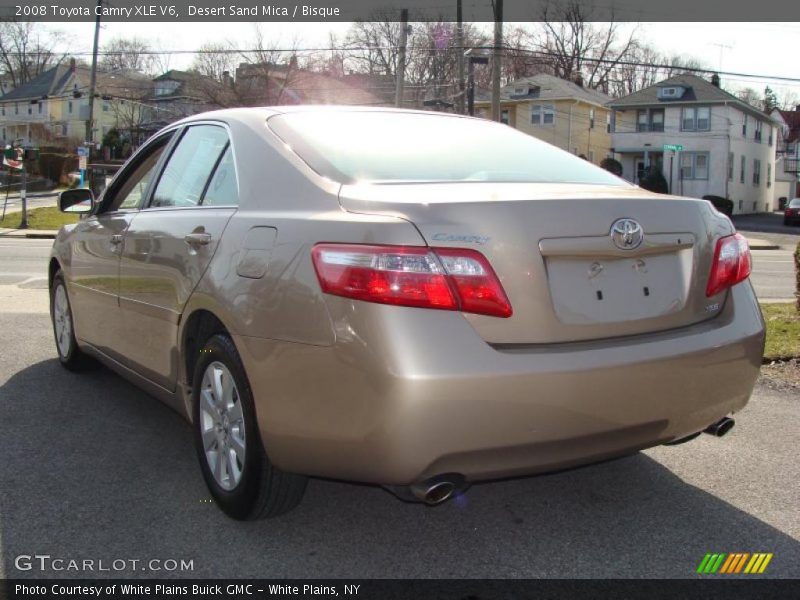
{"type": "Point", "coordinates": [627, 234]}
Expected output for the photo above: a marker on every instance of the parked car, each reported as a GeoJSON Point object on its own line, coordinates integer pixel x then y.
{"type": "Point", "coordinates": [402, 298]}
{"type": "Point", "coordinates": [791, 214]}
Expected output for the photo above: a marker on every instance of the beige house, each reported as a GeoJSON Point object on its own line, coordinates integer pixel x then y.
{"type": "Point", "coordinates": [557, 111]}
{"type": "Point", "coordinates": [53, 107]}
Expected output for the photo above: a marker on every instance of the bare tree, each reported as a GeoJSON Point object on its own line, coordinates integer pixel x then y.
{"type": "Point", "coordinates": [751, 96]}
{"type": "Point", "coordinates": [214, 60]}
{"type": "Point", "coordinates": [27, 50]}
{"type": "Point", "coordinates": [132, 53]}
{"type": "Point", "coordinates": [579, 48]}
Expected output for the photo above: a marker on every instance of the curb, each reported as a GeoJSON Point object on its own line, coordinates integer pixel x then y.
{"type": "Point", "coordinates": [765, 247]}
{"type": "Point", "coordinates": [40, 236]}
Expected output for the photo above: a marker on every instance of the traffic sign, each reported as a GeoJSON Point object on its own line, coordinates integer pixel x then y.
{"type": "Point", "coordinates": [83, 151]}
{"type": "Point", "coordinates": [82, 163]}
{"type": "Point", "coordinates": [672, 147]}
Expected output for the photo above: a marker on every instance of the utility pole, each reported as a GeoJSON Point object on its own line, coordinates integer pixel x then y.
{"type": "Point", "coordinates": [460, 55]}
{"type": "Point", "coordinates": [497, 59]}
{"type": "Point", "coordinates": [93, 79]}
{"type": "Point", "coordinates": [401, 58]}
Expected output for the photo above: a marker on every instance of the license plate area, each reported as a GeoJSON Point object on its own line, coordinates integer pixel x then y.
{"type": "Point", "coordinates": [589, 290]}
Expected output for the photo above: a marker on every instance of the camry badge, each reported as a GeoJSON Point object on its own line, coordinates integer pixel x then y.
{"type": "Point", "coordinates": [627, 234]}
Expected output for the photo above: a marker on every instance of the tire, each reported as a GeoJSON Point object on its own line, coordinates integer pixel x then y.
{"type": "Point", "coordinates": [248, 489]}
{"type": "Point", "coordinates": [69, 354]}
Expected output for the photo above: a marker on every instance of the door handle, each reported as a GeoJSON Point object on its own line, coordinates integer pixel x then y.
{"type": "Point", "coordinates": [197, 239]}
{"type": "Point", "coordinates": [116, 239]}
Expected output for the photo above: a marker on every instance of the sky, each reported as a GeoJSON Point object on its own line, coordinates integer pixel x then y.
{"type": "Point", "coordinates": [767, 49]}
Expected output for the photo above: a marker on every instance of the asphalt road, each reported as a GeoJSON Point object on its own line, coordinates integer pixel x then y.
{"type": "Point", "coordinates": [92, 468]}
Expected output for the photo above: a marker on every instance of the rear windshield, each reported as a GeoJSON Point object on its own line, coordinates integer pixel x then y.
{"type": "Point", "coordinates": [387, 147]}
{"type": "Point", "coordinates": [795, 203]}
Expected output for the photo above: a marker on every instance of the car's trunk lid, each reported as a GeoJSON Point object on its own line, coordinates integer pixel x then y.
{"type": "Point", "coordinates": [552, 248]}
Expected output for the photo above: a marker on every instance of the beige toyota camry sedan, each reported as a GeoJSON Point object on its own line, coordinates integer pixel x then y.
{"type": "Point", "coordinates": [409, 299]}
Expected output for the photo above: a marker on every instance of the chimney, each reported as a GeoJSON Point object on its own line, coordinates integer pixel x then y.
{"type": "Point", "coordinates": [72, 65]}
{"type": "Point", "coordinates": [579, 80]}
{"type": "Point", "coordinates": [715, 79]}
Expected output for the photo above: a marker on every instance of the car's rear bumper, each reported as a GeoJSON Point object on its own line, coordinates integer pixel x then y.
{"type": "Point", "coordinates": [396, 400]}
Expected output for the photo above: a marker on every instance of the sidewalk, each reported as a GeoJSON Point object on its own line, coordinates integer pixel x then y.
{"type": "Point", "coordinates": [47, 234]}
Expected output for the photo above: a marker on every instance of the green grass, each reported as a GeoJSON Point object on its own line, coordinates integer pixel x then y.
{"type": "Point", "coordinates": [39, 218]}
{"type": "Point", "coordinates": [783, 331]}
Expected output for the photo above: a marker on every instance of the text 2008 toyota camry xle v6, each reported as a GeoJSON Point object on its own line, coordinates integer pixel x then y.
{"type": "Point", "coordinates": [408, 299]}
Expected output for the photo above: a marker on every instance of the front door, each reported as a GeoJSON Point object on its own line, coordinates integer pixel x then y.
{"type": "Point", "coordinates": [170, 243]}
{"type": "Point", "coordinates": [96, 246]}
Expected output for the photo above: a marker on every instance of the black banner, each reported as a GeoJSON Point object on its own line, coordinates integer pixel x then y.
{"type": "Point", "coordinates": [390, 589]}
{"type": "Point", "coordinates": [419, 10]}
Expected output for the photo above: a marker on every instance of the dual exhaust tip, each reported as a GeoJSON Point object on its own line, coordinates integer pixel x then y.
{"type": "Point", "coordinates": [441, 488]}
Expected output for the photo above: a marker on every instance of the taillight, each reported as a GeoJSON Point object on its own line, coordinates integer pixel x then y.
{"type": "Point", "coordinates": [442, 278]}
{"type": "Point", "coordinates": [732, 264]}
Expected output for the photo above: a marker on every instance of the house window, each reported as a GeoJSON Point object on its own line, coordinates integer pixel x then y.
{"type": "Point", "coordinates": [40, 106]}
{"type": "Point", "coordinates": [542, 114]}
{"type": "Point", "coordinates": [608, 123]}
{"type": "Point", "coordinates": [69, 106]}
{"type": "Point", "coordinates": [744, 127]}
{"type": "Point", "coordinates": [756, 171]}
{"type": "Point", "coordinates": [30, 109]}
{"type": "Point", "coordinates": [769, 174]}
{"type": "Point", "coordinates": [641, 120]}
{"type": "Point", "coordinates": [744, 166]}
{"type": "Point", "coordinates": [16, 108]}
{"type": "Point", "coordinates": [694, 165]}
{"type": "Point", "coordinates": [591, 156]}
{"type": "Point", "coordinates": [696, 118]}
{"type": "Point", "coordinates": [769, 139]}
{"type": "Point", "coordinates": [741, 205]}
{"type": "Point", "coordinates": [105, 109]}
{"type": "Point", "coordinates": [657, 119]}
{"type": "Point", "coordinates": [591, 118]}
{"type": "Point", "coordinates": [757, 135]}
{"type": "Point", "coordinates": [730, 166]}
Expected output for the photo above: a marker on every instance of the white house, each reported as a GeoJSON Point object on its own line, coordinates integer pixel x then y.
{"type": "Point", "coordinates": [723, 146]}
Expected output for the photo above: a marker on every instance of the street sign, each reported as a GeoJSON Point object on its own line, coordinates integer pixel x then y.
{"type": "Point", "coordinates": [672, 147]}
{"type": "Point", "coordinates": [82, 160]}
{"type": "Point", "coordinates": [83, 151]}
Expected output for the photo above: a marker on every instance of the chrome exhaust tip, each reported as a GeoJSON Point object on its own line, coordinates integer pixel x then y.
{"type": "Point", "coordinates": [433, 493]}
{"type": "Point", "coordinates": [721, 427]}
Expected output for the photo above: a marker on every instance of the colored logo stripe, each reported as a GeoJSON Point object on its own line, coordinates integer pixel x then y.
{"type": "Point", "coordinates": [734, 563]}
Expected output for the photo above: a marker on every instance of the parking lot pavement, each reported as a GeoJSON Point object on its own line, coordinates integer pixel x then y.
{"type": "Point", "coordinates": [94, 469]}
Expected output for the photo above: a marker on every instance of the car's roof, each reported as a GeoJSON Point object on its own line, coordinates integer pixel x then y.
{"type": "Point", "coordinates": [264, 112]}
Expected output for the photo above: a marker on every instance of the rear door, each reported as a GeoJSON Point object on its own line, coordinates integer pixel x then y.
{"type": "Point", "coordinates": [170, 243]}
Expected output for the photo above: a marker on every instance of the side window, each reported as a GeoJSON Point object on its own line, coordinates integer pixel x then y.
{"type": "Point", "coordinates": [188, 169]}
{"type": "Point", "coordinates": [130, 191]}
{"type": "Point", "coordinates": [222, 189]}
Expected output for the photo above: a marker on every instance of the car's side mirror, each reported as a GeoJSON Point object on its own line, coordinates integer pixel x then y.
{"type": "Point", "coordinates": [79, 201]}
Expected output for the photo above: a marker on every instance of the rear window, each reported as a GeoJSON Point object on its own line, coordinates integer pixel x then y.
{"type": "Point", "coordinates": [795, 203]}
{"type": "Point", "coordinates": [386, 147]}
